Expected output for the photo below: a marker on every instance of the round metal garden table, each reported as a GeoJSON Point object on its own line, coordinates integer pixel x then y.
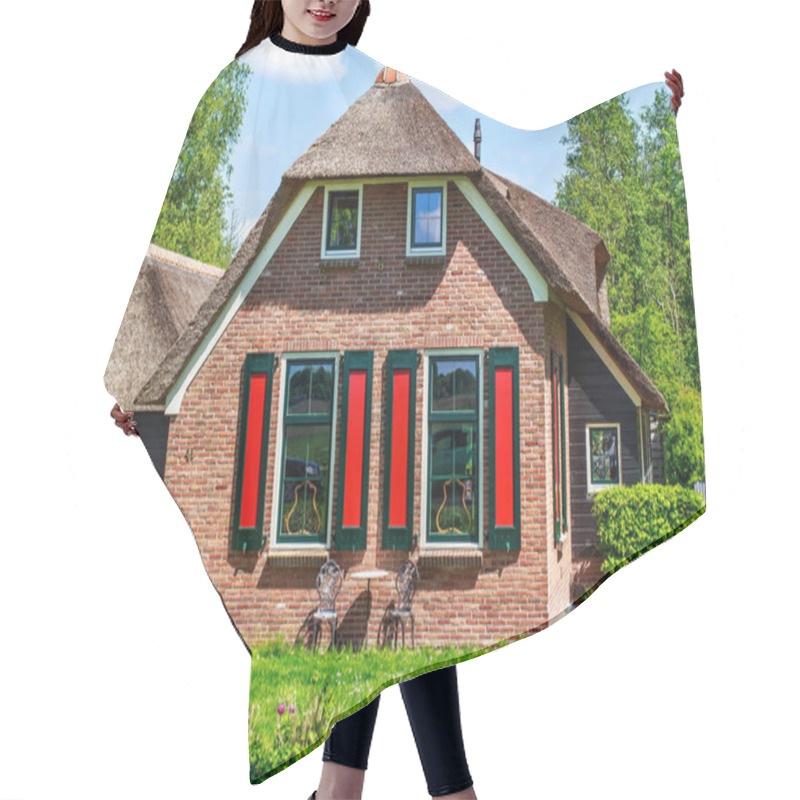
{"type": "Point", "coordinates": [368, 575]}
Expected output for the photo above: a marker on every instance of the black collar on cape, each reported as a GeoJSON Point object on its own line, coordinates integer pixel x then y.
{"type": "Point", "coordinates": [313, 49]}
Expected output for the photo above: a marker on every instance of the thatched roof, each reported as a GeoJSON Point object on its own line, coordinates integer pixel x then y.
{"type": "Point", "coordinates": [576, 249]}
{"type": "Point", "coordinates": [168, 292]}
{"type": "Point", "coordinates": [392, 130]}
{"type": "Point", "coordinates": [572, 258]}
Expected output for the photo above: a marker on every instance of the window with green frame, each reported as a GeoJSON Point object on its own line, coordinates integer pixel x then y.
{"type": "Point", "coordinates": [342, 226]}
{"type": "Point", "coordinates": [453, 458]}
{"type": "Point", "coordinates": [305, 464]}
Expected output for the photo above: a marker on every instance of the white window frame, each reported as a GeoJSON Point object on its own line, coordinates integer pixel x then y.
{"type": "Point", "coordinates": [341, 187]}
{"type": "Point", "coordinates": [276, 477]}
{"type": "Point", "coordinates": [424, 521]}
{"type": "Point", "coordinates": [593, 488]}
{"type": "Point", "coordinates": [426, 251]}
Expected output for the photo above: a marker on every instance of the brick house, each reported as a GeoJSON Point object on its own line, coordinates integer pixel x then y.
{"type": "Point", "coordinates": [409, 355]}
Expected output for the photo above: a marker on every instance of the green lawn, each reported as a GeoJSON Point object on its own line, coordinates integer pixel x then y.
{"type": "Point", "coordinates": [296, 695]}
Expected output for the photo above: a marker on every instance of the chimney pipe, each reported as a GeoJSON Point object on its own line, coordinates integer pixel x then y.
{"type": "Point", "coordinates": [477, 138]}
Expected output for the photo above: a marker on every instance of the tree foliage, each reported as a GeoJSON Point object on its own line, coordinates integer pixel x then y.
{"type": "Point", "coordinates": [624, 180]}
{"type": "Point", "coordinates": [194, 216]}
{"type": "Point", "coordinates": [684, 460]}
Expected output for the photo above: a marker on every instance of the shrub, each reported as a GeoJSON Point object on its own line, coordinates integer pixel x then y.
{"type": "Point", "coordinates": [634, 519]}
{"type": "Point", "coordinates": [684, 461]}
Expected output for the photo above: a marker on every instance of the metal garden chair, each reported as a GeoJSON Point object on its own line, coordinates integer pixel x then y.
{"type": "Point", "coordinates": [406, 585]}
{"type": "Point", "coordinates": [329, 581]}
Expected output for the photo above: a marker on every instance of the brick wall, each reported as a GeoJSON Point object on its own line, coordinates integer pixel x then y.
{"type": "Point", "coordinates": [478, 298]}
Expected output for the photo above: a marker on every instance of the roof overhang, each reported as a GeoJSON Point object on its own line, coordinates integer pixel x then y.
{"type": "Point", "coordinates": [538, 285]}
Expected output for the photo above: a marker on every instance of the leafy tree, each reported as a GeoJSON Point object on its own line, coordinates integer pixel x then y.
{"type": "Point", "coordinates": [601, 189]}
{"type": "Point", "coordinates": [624, 179]}
{"type": "Point", "coordinates": [684, 461]}
{"type": "Point", "coordinates": [669, 259]}
{"type": "Point", "coordinates": [193, 219]}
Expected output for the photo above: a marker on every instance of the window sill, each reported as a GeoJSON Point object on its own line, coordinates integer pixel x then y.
{"type": "Point", "coordinates": [297, 556]}
{"type": "Point", "coordinates": [425, 261]}
{"type": "Point", "coordinates": [338, 263]}
{"type": "Point", "coordinates": [451, 556]}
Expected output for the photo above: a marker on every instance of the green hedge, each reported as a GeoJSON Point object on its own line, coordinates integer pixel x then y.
{"type": "Point", "coordinates": [633, 519]}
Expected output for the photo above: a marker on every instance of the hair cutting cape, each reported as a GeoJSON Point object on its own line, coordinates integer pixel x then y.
{"type": "Point", "coordinates": [419, 381]}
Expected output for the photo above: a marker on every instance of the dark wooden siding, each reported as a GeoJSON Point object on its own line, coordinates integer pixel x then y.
{"type": "Point", "coordinates": [595, 396]}
{"type": "Point", "coordinates": [153, 427]}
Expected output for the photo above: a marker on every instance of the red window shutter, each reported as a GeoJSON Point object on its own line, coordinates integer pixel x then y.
{"type": "Point", "coordinates": [398, 474]}
{"type": "Point", "coordinates": [504, 446]}
{"type": "Point", "coordinates": [254, 441]}
{"type": "Point", "coordinates": [252, 445]}
{"type": "Point", "coordinates": [353, 477]}
{"type": "Point", "coordinates": [354, 457]}
{"type": "Point", "coordinates": [399, 434]}
{"type": "Point", "coordinates": [504, 531]}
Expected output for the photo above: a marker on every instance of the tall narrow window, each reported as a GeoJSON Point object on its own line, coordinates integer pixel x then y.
{"type": "Point", "coordinates": [256, 391]}
{"type": "Point", "coordinates": [453, 458]}
{"type": "Point", "coordinates": [426, 217]}
{"type": "Point", "coordinates": [342, 221]}
{"type": "Point", "coordinates": [559, 446]}
{"type": "Point", "coordinates": [305, 463]}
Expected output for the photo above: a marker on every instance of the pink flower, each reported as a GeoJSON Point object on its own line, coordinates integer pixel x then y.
{"type": "Point", "coordinates": [281, 708]}
{"type": "Point", "coordinates": [291, 708]}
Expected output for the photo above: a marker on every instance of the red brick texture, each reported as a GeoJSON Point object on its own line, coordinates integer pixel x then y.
{"type": "Point", "coordinates": [477, 299]}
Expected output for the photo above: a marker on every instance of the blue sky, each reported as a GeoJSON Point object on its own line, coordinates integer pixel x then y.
{"type": "Point", "coordinates": [293, 99]}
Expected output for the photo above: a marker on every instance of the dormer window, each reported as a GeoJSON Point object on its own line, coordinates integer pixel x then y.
{"type": "Point", "coordinates": [427, 203]}
{"type": "Point", "coordinates": [342, 223]}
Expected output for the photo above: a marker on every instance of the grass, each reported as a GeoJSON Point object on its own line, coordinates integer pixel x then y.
{"type": "Point", "coordinates": [296, 695]}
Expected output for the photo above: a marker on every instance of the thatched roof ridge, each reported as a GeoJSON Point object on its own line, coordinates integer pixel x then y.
{"type": "Point", "coordinates": [169, 290]}
{"type": "Point", "coordinates": [578, 250]}
{"type": "Point", "coordinates": [391, 129]}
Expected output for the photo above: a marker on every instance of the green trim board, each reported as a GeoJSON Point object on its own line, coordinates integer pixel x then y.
{"type": "Point", "coordinates": [399, 537]}
{"type": "Point", "coordinates": [503, 537]}
{"type": "Point", "coordinates": [250, 536]}
{"type": "Point", "coordinates": [559, 448]}
{"type": "Point", "coordinates": [564, 464]}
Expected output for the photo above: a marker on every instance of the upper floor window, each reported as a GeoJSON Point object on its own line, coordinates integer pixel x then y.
{"type": "Point", "coordinates": [426, 214]}
{"type": "Point", "coordinates": [342, 222]}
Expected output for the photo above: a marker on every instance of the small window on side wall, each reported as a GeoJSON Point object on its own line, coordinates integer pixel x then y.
{"type": "Point", "coordinates": [426, 215]}
{"type": "Point", "coordinates": [342, 217]}
{"type": "Point", "coordinates": [602, 456]}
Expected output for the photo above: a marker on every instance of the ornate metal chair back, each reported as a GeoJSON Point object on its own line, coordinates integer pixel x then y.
{"type": "Point", "coordinates": [329, 581]}
{"type": "Point", "coordinates": [406, 584]}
